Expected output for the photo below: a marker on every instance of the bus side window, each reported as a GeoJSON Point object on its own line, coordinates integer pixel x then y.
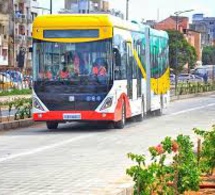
{"type": "Point", "coordinates": [119, 64]}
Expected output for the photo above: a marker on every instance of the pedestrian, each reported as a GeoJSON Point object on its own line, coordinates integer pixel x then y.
{"type": "Point", "coordinates": [205, 77]}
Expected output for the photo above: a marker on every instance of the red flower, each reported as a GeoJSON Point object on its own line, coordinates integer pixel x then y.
{"type": "Point", "coordinates": [159, 149]}
{"type": "Point", "coordinates": [175, 146]}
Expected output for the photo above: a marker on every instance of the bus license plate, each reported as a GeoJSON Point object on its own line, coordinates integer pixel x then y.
{"type": "Point", "coordinates": [71, 116]}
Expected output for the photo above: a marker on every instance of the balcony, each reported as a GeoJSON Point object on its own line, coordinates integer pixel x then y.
{"type": "Point", "coordinates": [19, 18]}
{"type": "Point", "coordinates": [4, 41]}
{"type": "Point", "coordinates": [23, 1]}
{"type": "Point", "coordinates": [24, 20]}
{"type": "Point", "coordinates": [29, 18]}
{"type": "Point", "coordinates": [29, 40]}
{"type": "Point", "coordinates": [19, 39]}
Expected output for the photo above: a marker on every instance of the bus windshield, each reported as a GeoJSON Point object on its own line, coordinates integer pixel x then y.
{"type": "Point", "coordinates": [56, 61]}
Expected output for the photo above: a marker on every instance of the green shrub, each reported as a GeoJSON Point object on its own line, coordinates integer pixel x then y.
{"type": "Point", "coordinates": [16, 92]}
{"type": "Point", "coordinates": [207, 153]}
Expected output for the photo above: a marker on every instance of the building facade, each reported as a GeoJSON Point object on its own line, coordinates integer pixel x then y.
{"type": "Point", "coordinates": [173, 22]}
{"type": "Point", "coordinates": [19, 15]}
{"type": "Point", "coordinates": [180, 23]}
{"type": "Point", "coordinates": [86, 6]}
{"type": "Point", "coordinates": [4, 31]}
{"type": "Point", "coordinates": [205, 25]}
{"type": "Point", "coordinates": [24, 14]}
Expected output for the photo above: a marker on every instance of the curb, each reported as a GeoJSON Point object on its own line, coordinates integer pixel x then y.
{"type": "Point", "coordinates": [5, 126]}
{"type": "Point", "coordinates": [181, 97]}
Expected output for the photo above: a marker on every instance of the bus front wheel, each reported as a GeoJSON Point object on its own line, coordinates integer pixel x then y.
{"type": "Point", "coordinates": [120, 124]}
{"type": "Point", "coordinates": [51, 125]}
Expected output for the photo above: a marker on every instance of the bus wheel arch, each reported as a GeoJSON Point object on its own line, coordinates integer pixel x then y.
{"type": "Point", "coordinates": [121, 123]}
{"type": "Point", "coordinates": [51, 124]}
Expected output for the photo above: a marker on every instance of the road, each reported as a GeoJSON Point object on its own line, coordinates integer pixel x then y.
{"type": "Point", "coordinates": [86, 159]}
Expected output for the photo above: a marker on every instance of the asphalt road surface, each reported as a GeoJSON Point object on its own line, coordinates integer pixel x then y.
{"type": "Point", "coordinates": [81, 158]}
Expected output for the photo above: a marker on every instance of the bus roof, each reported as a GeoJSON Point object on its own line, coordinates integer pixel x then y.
{"type": "Point", "coordinates": [65, 21]}
{"type": "Point", "coordinates": [79, 20]}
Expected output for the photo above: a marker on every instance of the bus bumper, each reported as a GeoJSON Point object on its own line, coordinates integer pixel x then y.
{"type": "Point", "coordinates": [64, 116]}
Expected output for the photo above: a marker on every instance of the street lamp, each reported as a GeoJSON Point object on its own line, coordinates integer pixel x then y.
{"type": "Point", "coordinates": [176, 51]}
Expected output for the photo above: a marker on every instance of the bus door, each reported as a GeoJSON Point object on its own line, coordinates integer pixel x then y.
{"type": "Point", "coordinates": [156, 74]}
{"type": "Point", "coordinates": [139, 74]}
{"type": "Point", "coordinates": [157, 68]}
{"type": "Point", "coordinates": [129, 71]}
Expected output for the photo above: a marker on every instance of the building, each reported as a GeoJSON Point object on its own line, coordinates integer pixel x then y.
{"type": "Point", "coordinates": [205, 25]}
{"type": "Point", "coordinates": [194, 38]}
{"type": "Point", "coordinates": [15, 29]}
{"type": "Point", "coordinates": [170, 23]}
{"type": "Point", "coordinates": [86, 6]}
{"type": "Point", "coordinates": [4, 29]}
{"type": "Point", "coordinates": [24, 13]}
{"type": "Point", "coordinates": [182, 24]}
{"type": "Point", "coordinates": [151, 23]}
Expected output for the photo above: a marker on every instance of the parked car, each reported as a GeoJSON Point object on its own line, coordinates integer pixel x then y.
{"type": "Point", "coordinates": [208, 70]}
{"type": "Point", "coordinates": [17, 78]}
{"type": "Point", "coordinates": [186, 77]}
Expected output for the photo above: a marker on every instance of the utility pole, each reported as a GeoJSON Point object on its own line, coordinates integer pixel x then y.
{"type": "Point", "coordinates": [50, 6]}
{"type": "Point", "coordinates": [176, 51]}
{"type": "Point", "coordinates": [88, 6]}
{"type": "Point", "coordinates": [127, 9]}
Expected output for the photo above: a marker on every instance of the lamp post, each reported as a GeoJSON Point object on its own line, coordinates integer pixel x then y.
{"type": "Point", "coordinates": [176, 50]}
{"type": "Point", "coordinates": [127, 9]}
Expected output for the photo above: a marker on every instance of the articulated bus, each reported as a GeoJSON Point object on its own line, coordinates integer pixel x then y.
{"type": "Point", "coordinates": [67, 85]}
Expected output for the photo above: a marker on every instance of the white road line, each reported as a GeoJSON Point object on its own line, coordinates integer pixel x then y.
{"type": "Point", "coordinates": [44, 148]}
{"type": "Point", "coordinates": [191, 109]}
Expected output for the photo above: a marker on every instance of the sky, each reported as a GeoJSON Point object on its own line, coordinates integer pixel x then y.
{"type": "Point", "coordinates": [152, 9]}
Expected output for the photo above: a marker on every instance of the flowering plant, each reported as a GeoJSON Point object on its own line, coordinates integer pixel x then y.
{"type": "Point", "coordinates": [162, 176]}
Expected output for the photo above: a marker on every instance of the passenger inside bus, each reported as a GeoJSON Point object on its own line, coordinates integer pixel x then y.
{"type": "Point", "coordinates": [48, 73]}
{"type": "Point", "coordinates": [99, 67]}
{"type": "Point", "coordinates": [64, 73]}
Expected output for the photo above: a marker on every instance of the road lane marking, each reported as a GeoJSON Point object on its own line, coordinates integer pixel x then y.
{"type": "Point", "coordinates": [44, 148]}
{"type": "Point", "coordinates": [191, 109]}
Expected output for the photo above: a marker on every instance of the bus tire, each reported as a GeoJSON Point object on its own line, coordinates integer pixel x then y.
{"type": "Point", "coordinates": [121, 124]}
{"type": "Point", "coordinates": [51, 125]}
{"type": "Point", "coordinates": [158, 112]}
{"type": "Point", "coordinates": [140, 117]}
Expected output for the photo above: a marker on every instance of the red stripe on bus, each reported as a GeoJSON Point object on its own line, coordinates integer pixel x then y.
{"type": "Point", "coordinates": [85, 115]}
{"type": "Point", "coordinates": [88, 115]}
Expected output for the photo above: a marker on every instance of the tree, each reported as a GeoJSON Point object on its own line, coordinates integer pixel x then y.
{"type": "Point", "coordinates": [180, 52]}
{"type": "Point", "coordinates": [208, 55]}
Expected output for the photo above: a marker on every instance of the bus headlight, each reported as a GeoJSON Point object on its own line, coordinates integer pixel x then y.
{"type": "Point", "coordinates": [107, 104]}
{"type": "Point", "coordinates": [37, 105]}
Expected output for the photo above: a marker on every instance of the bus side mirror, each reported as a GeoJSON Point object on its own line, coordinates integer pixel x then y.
{"type": "Point", "coordinates": [117, 57]}
{"type": "Point", "coordinates": [30, 49]}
